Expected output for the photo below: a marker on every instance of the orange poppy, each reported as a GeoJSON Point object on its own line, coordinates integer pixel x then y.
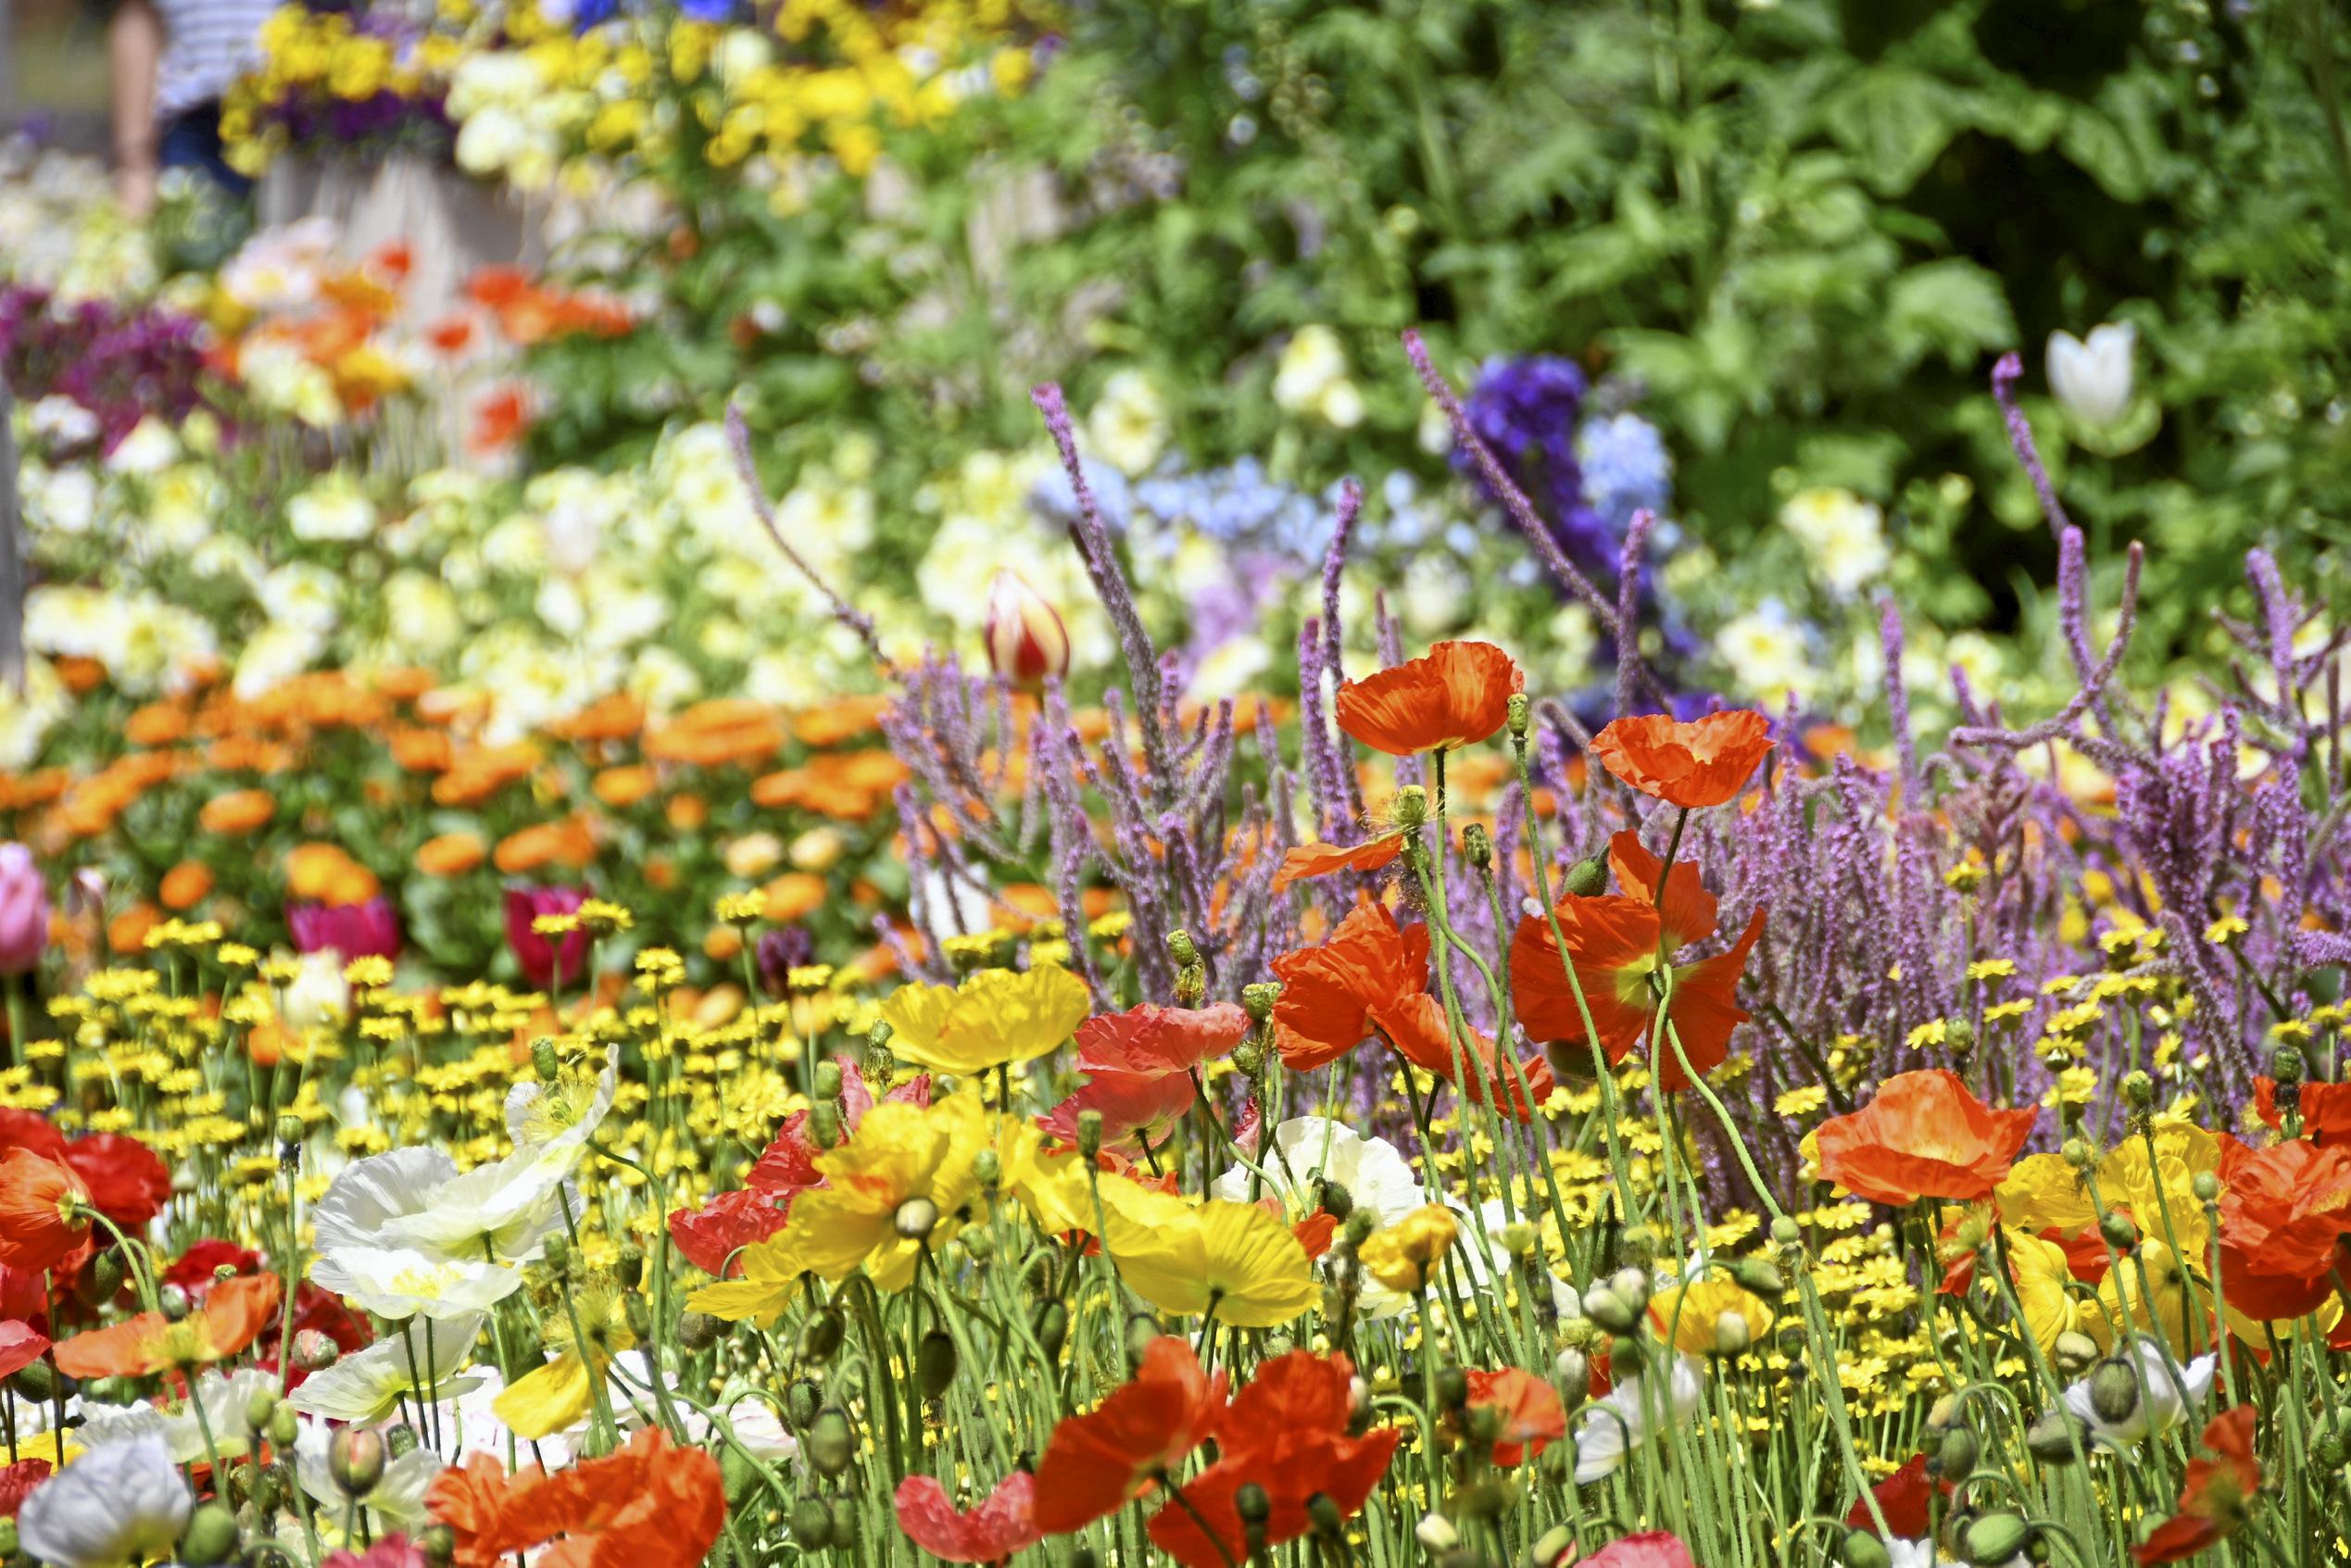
{"type": "Point", "coordinates": [1616, 941]}
{"type": "Point", "coordinates": [1322, 860]}
{"type": "Point", "coordinates": [2285, 1215]}
{"type": "Point", "coordinates": [2215, 1495]}
{"type": "Point", "coordinates": [1923, 1135]}
{"type": "Point", "coordinates": [1286, 1434]}
{"type": "Point", "coordinates": [1531, 1411]}
{"type": "Point", "coordinates": [185, 885]}
{"type": "Point", "coordinates": [1456, 695]}
{"type": "Point", "coordinates": [1703, 762]}
{"type": "Point", "coordinates": [240, 811]}
{"type": "Point", "coordinates": [2325, 1108]}
{"type": "Point", "coordinates": [1095, 1464]}
{"type": "Point", "coordinates": [450, 854]}
{"type": "Point", "coordinates": [39, 1200]}
{"type": "Point", "coordinates": [499, 418]}
{"type": "Point", "coordinates": [234, 1314]}
{"type": "Point", "coordinates": [651, 1505]}
{"type": "Point", "coordinates": [1329, 993]}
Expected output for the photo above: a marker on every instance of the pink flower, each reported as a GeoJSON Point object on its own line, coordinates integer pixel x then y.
{"type": "Point", "coordinates": [24, 910]}
{"type": "Point", "coordinates": [546, 961]}
{"type": "Point", "coordinates": [365, 930]}
{"type": "Point", "coordinates": [392, 1551]}
{"type": "Point", "coordinates": [1652, 1548]}
{"type": "Point", "coordinates": [1001, 1524]}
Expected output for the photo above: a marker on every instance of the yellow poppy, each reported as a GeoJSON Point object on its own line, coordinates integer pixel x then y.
{"type": "Point", "coordinates": [901, 1184]}
{"type": "Point", "coordinates": [1235, 1259]}
{"type": "Point", "coordinates": [995, 1018]}
{"type": "Point", "coordinates": [1402, 1255]}
{"type": "Point", "coordinates": [772, 1273]}
{"type": "Point", "coordinates": [2039, 1271]}
{"type": "Point", "coordinates": [1709, 1317]}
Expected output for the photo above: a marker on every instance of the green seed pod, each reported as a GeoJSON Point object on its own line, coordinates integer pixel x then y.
{"type": "Point", "coordinates": [821, 1337]}
{"type": "Point", "coordinates": [1477, 846]}
{"type": "Point", "coordinates": [1334, 1199]}
{"type": "Point", "coordinates": [1408, 809]}
{"type": "Point", "coordinates": [2121, 1234]}
{"type": "Point", "coordinates": [211, 1537]}
{"type": "Point", "coordinates": [258, 1406]}
{"type": "Point", "coordinates": [1586, 879]}
{"type": "Point", "coordinates": [2288, 1066]}
{"type": "Point", "coordinates": [1257, 999]}
{"type": "Point", "coordinates": [699, 1331]}
{"type": "Point", "coordinates": [2114, 1390]}
{"type": "Point", "coordinates": [1248, 1059]}
{"type": "Point", "coordinates": [1862, 1549]}
{"type": "Point", "coordinates": [1760, 1275]}
{"type": "Point", "coordinates": [105, 1275]}
{"type": "Point", "coordinates": [2073, 1352]}
{"type": "Point", "coordinates": [1051, 1327]}
{"type": "Point", "coordinates": [828, 1080]}
{"type": "Point", "coordinates": [1785, 1232]}
{"type": "Point", "coordinates": [2079, 1154]}
{"type": "Point", "coordinates": [1181, 948]}
{"type": "Point", "coordinates": [1089, 1134]}
{"type": "Point", "coordinates": [2205, 1186]}
{"type": "Point", "coordinates": [801, 1402]}
{"type": "Point", "coordinates": [1517, 709]}
{"type": "Point", "coordinates": [811, 1524]}
{"type": "Point", "coordinates": [1995, 1538]}
{"type": "Point", "coordinates": [1955, 1459]}
{"type": "Point", "coordinates": [285, 1426]}
{"type": "Point", "coordinates": [1322, 1510]}
{"type": "Point", "coordinates": [439, 1545]}
{"type": "Point", "coordinates": [844, 1523]}
{"type": "Point", "coordinates": [1610, 1310]}
{"type": "Point", "coordinates": [36, 1382]}
{"type": "Point", "coordinates": [542, 1060]}
{"type": "Point", "coordinates": [935, 1363]}
{"type": "Point", "coordinates": [832, 1444]}
{"type": "Point", "coordinates": [2053, 1439]}
{"type": "Point", "coordinates": [824, 1123]}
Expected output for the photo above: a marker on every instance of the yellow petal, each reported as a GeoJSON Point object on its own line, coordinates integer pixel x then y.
{"type": "Point", "coordinates": [547, 1400]}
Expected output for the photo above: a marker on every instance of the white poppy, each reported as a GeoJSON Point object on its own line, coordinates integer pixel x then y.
{"type": "Point", "coordinates": [367, 1385]}
{"type": "Point", "coordinates": [1376, 1176]}
{"type": "Point", "coordinates": [1610, 1428]}
{"type": "Point", "coordinates": [396, 1498]}
{"type": "Point", "coordinates": [120, 1504]}
{"type": "Point", "coordinates": [2159, 1407]}
{"type": "Point", "coordinates": [176, 1425]}
{"type": "Point", "coordinates": [2091, 376]}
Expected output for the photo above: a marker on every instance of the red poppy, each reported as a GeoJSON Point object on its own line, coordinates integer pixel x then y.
{"type": "Point", "coordinates": [707, 1238]}
{"type": "Point", "coordinates": [1703, 762]}
{"type": "Point", "coordinates": [651, 1505]}
{"type": "Point", "coordinates": [16, 1482]}
{"type": "Point", "coordinates": [1287, 1432]}
{"type": "Point", "coordinates": [498, 418]}
{"type": "Point", "coordinates": [1001, 1524]}
{"type": "Point", "coordinates": [1309, 861]}
{"type": "Point", "coordinates": [128, 1182]}
{"type": "Point", "coordinates": [1614, 940]}
{"type": "Point", "coordinates": [1152, 1041]}
{"type": "Point", "coordinates": [789, 1164]}
{"type": "Point", "coordinates": [1315, 1232]}
{"type": "Point", "coordinates": [196, 1269]}
{"type": "Point", "coordinates": [1651, 1549]}
{"type": "Point", "coordinates": [1905, 1497]}
{"type": "Point", "coordinates": [450, 334]}
{"type": "Point", "coordinates": [2216, 1494]}
{"type": "Point", "coordinates": [38, 1198]}
{"type": "Point", "coordinates": [1095, 1464]}
{"type": "Point", "coordinates": [1136, 1108]}
{"type": "Point", "coordinates": [2325, 1109]}
{"type": "Point", "coordinates": [1923, 1135]}
{"type": "Point", "coordinates": [1329, 993]}
{"type": "Point", "coordinates": [2285, 1212]}
{"type": "Point", "coordinates": [20, 1346]}
{"type": "Point", "coordinates": [1529, 1408]}
{"type": "Point", "coordinates": [1457, 695]}
{"type": "Point", "coordinates": [29, 1129]}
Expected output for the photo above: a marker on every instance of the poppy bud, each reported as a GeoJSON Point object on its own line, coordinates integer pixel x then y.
{"type": "Point", "coordinates": [1862, 1549]}
{"type": "Point", "coordinates": [1732, 1335]}
{"type": "Point", "coordinates": [1437, 1533]}
{"type": "Point", "coordinates": [844, 1523]}
{"type": "Point", "coordinates": [542, 1060]}
{"type": "Point", "coordinates": [1955, 1459]}
{"type": "Point", "coordinates": [828, 1079]}
{"type": "Point", "coordinates": [632, 1269]}
{"type": "Point", "coordinates": [916, 1218]}
{"type": "Point", "coordinates": [1322, 1510]}
{"type": "Point", "coordinates": [1630, 1284]}
{"type": "Point", "coordinates": [7, 1538]}
{"type": "Point", "coordinates": [988, 1168]}
{"type": "Point", "coordinates": [811, 1524]}
{"type": "Point", "coordinates": [1053, 1329]}
{"type": "Point", "coordinates": [2052, 1439]}
{"type": "Point", "coordinates": [2079, 1154]}
{"type": "Point", "coordinates": [877, 1038]}
{"type": "Point", "coordinates": [1625, 1359]}
{"type": "Point", "coordinates": [1089, 1134]}
{"type": "Point", "coordinates": [699, 1331]}
{"type": "Point", "coordinates": [1027, 642]}
{"type": "Point", "coordinates": [821, 1336]}
{"type": "Point", "coordinates": [1516, 709]}
{"type": "Point", "coordinates": [1477, 846]}
{"type": "Point", "coordinates": [1452, 1388]}
{"type": "Point", "coordinates": [258, 1407]}
{"type": "Point", "coordinates": [1759, 1275]}
{"type": "Point", "coordinates": [1085, 1557]}
{"type": "Point", "coordinates": [1409, 811]}
{"type": "Point", "coordinates": [1992, 1540]}
{"type": "Point", "coordinates": [2205, 1186]}
{"type": "Point", "coordinates": [105, 1278]}
{"type": "Point", "coordinates": [935, 1363]}
{"type": "Point", "coordinates": [824, 1123]}
{"type": "Point", "coordinates": [1334, 1199]}
{"type": "Point", "coordinates": [832, 1446]}
{"type": "Point", "coordinates": [313, 1352]}
{"type": "Point", "coordinates": [1181, 948]}
{"type": "Point", "coordinates": [1586, 879]}
{"type": "Point", "coordinates": [36, 1382]}
{"type": "Point", "coordinates": [1609, 1310]}
{"type": "Point", "coordinates": [285, 1426]}
{"type": "Point", "coordinates": [211, 1537]}
{"type": "Point", "coordinates": [1785, 1232]}
{"type": "Point", "coordinates": [1257, 999]}
{"type": "Point", "coordinates": [2114, 1390]}
{"type": "Point", "coordinates": [172, 1302]}
{"type": "Point", "coordinates": [2073, 1352]}
{"type": "Point", "coordinates": [1574, 1376]}
{"type": "Point", "coordinates": [800, 1404]}
{"type": "Point", "coordinates": [2138, 1091]}
{"type": "Point", "coordinates": [2119, 1232]}
{"type": "Point", "coordinates": [2288, 1066]}
{"type": "Point", "coordinates": [355, 1459]}
{"type": "Point", "coordinates": [738, 1475]}
{"type": "Point", "coordinates": [439, 1545]}
{"type": "Point", "coordinates": [1141, 1329]}
{"type": "Point", "coordinates": [557, 1253]}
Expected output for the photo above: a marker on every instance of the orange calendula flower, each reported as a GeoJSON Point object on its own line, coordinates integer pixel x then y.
{"type": "Point", "coordinates": [1924, 1135]}
{"type": "Point", "coordinates": [1618, 942]}
{"type": "Point", "coordinates": [234, 1314]}
{"type": "Point", "coordinates": [450, 854]}
{"type": "Point", "coordinates": [1454, 696]}
{"type": "Point", "coordinates": [38, 1203]}
{"type": "Point", "coordinates": [240, 811]}
{"type": "Point", "coordinates": [1703, 762]}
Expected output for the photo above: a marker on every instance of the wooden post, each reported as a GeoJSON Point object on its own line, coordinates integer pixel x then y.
{"type": "Point", "coordinates": [11, 552]}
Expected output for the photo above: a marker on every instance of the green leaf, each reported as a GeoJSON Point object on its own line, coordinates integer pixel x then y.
{"type": "Point", "coordinates": [1896, 122]}
{"type": "Point", "coordinates": [1954, 308]}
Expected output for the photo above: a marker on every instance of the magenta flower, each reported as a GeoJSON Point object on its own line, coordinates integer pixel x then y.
{"type": "Point", "coordinates": [365, 930]}
{"type": "Point", "coordinates": [24, 910]}
{"type": "Point", "coordinates": [392, 1551]}
{"type": "Point", "coordinates": [545, 961]}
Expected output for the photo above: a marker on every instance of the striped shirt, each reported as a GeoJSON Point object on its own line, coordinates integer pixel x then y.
{"type": "Point", "coordinates": [206, 43]}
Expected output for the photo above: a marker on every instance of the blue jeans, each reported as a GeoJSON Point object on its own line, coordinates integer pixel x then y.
{"type": "Point", "coordinates": [192, 140]}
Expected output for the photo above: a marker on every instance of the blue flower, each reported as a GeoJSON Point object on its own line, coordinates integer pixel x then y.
{"type": "Point", "coordinates": [1627, 467]}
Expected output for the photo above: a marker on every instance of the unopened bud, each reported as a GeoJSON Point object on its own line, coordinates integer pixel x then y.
{"type": "Point", "coordinates": [1089, 1134]}
{"type": "Point", "coordinates": [699, 1331]}
{"type": "Point", "coordinates": [828, 1079]}
{"type": "Point", "coordinates": [1586, 879]}
{"type": "Point", "coordinates": [801, 1402]}
{"type": "Point", "coordinates": [832, 1445]}
{"type": "Point", "coordinates": [1181, 948]}
{"type": "Point", "coordinates": [2073, 1351]}
{"type": "Point", "coordinates": [1785, 1232]}
{"type": "Point", "coordinates": [1955, 1458]}
{"type": "Point", "coordinates": [2119, 1232]}
{"type": "Point", "coordinates": [1862, 1549]}
{"type": "Point", "coordinates": [1051, 1328]}
{"type": "Point", "coordinates": [1477, 846]}
{"type": "Point", "coordinates": [1550, 1548]}
{"type": "Point", "coordinates": [844, 1522]}
{"type": "Point", "coordinates": [401, 1440]}
{"type": "Point", "coordinates": [1248, 1059]}
{"type": "Point", "coordinates": [439, 1545]}
{"type": "Point", "coordinates": [285, 1426]}
{"type": "Point", "coordinates": [1252, 1504]}
{"type": "Point", "coordinates": [811, 1524]}
{"type": "Point", "coordinates": [1322, 1512]}
{"type": "Point", "coordinates": [355, 1459]}
{"type": "Point", "coordinates": [2205, 1186]}
{"type": "Point", "coordinates": [2114, 1390]}
{"type": "Point", "coordinates": [1452, 1388]}
{"type": "Point", "coordinates": [1027, 642]}
{"type": "Point", "coordinates": [821, 1337]}
{"type": "Point", "coordinates": [1334, 1199]}
{"type": "Point", "coordinates": [557, 1254]}
{"type": "Point", "coordinates": [2138, 1090]}
{"type": "Point", "coordinates": [258, 1407]}
{"type": "Point", "coordinates": [544, 1062]}
{"type": "Point", "coordinates": [1257, 999]}
{"type": "Point", "coordinates": [1994, 1540]}
{"type": "Point", "coordinates": [2053, 1439]}
{"type": "Point", "coordinates": [824, 1123]}
{"type": "Point", "coordinates": [1732, 1335]}
{"type": "Point", "coordinates": [935, 1363]}
{"type": "Point", "coordinates": [289, 1130]}
{"type": "Point", "coordinates": [2079, 1154]}
{"type": "Point", "coordinates": [1760, 1275]}
{"type": "Point", "coordinates": [172, 1302]}
{"type": "Point", "coordinates": [1516, 708]}
{"type": "Point", "coordinates": [211, 1537]}
{"type": "Point", "coordinates": [2288, 1066]}
{"type": "Point", "coordinates": [988, 1168]}
{"type": "Point", "coordinates": [314, 1351]}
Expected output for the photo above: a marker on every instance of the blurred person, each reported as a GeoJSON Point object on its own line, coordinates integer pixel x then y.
{"type": "Point", "coordinates": [168, 62]}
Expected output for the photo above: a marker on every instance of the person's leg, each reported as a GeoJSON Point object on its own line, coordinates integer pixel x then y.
{"type": "Point", "coordinates": [192, 141]}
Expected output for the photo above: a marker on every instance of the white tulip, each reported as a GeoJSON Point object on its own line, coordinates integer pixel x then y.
{"type": "Point", "coordinates": [2091, 377]}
